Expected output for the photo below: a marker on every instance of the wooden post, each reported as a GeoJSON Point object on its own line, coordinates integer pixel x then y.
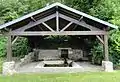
{"type": "Point", "coordinates": [57, 21]}
{"type": "Point", "coordinates": [106, 47]}
{"type": "Point", "coordinates": [9, 48]}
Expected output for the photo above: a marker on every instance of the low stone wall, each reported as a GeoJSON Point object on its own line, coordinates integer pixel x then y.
{"type": "Point", "coordinates": [75, 54]}
{"type": "Point", "coordinates": [27, 59]}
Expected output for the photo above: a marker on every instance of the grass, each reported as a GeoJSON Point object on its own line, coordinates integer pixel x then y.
{"type": "Point", "coordinates": [70, 77]}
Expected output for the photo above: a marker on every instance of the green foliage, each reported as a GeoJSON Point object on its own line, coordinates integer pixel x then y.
{"type": "Point", "coordinates": [1, 63]}
{"type": "Point", "coordinates": [97, 53]}
{"type": "Point", "coordinates": [20, 47]}
{"type": "Point", "coordinates": [114, 47]}
{"type": "Point", "coordinates": [82, 5]}
{"type": "Point", "coordinates": [3, 41]}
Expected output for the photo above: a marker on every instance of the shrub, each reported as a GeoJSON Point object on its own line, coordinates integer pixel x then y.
{"type": "Point", "coordinates": [114, 47]}
{"type": "Point", "coordinates": [97, 53]}
{"type": "Point", "coordinates": [20, 47]}
{"type": "Point", "coordinates": [1, 62]}
{"type": "Point", "coordinates": [3, 41]}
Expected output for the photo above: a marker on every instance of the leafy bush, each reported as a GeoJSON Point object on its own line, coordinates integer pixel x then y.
{"type": "Point", "coordinates": [97, 53]}
{"type": "Point", "coordinates": [1, 62]}
{"type": "Point", "coordinates": [20, 47]}
{"type": "Point", "coordinates": [114, 47]}
{"type": "Point", "coordinates": [3, 41]}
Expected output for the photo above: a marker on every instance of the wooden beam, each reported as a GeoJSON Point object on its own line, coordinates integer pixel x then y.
{"type": "Point", "coordinates": [48, 27]}
{"type": "Point", "coordinates": [106, 47]}
{"type": "Point", "coordinates": [57, 21]}
{"type": "Point", "coordinates": [100, 39]}
{"type": "Point", "coordinates": [35, 21]}
{"type": "Point", "coordinates": [9, 48]}
{"type": "Point", "coordinates": [37, 33]}
{"type": "Point", "coordinates": [66, 26]}
{"type": "Point", "coordinates": [32, 24]}
{"type": "Point", "coordinates": [81, 23]}
{"type": "Point", "coordinates": [15, 40]}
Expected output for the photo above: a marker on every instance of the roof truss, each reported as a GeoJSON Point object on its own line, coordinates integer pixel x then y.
{"type": "Point", "coordinates": [57, 15]}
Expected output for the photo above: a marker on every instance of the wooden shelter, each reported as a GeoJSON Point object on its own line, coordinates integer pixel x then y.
{"type": "Point", "coordinates": [56, 19]}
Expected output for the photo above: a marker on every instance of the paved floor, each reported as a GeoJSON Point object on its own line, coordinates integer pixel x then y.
{"type": "Point", "coordinates": [37, 67]}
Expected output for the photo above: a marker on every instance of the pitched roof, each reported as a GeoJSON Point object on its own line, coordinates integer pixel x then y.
{"type": "Point", "coordinates": [63, 7]}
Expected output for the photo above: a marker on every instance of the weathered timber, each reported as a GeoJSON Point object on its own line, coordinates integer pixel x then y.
{"type": "Point", "coordinates": [15, 40]}
{"type": "Point", "coordinates": [9, 48]}
{"type": "Point", "coordinates": [32, 24]}
{"type": "Point", "coordinates": [48, 27]}
{"type": "Point", "coordinates": [100, 39]}
{"type": "Point", "coordinates": [81, 23]}
{"type": "Point", "coordinates": [57, 21]}
{"type": "Point", "coordinates": [66, 26]}
{"type": "Point", "coordinates": [106, 47]}
{"type": "Point", "coordinates": [37, 33]}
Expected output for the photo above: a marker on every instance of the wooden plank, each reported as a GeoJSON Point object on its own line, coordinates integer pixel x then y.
{"type": "Point", "coordinates": [106, 47]}
{"type": "Point", "coordinates": [57, 21]}
{"type": "Point", "coordinates": [100, 39]}
{"type": "Point", "coordinates": [35, 21]}
{"type": "Point", "coordinates": [37, 33]}
{"type": "Point", "coordinates": [81, 23]}
{"type": "Point", "coordinates": [9, 48]}
{"type": "Point", "coordinates": [66, 26]}
{"type": "Point", "coordinates": [48, 27]}
{"type": "Point", "coordinates": [15, 40]}
{"type": "Point", "coordinates": [32, 24]}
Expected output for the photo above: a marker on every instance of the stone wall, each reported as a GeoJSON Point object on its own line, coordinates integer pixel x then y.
{"type": "Point", "coordinates": [76, 55]}
{"type": "Point", "coordinates": [48, 54]}
{"type": "Point", "coordinates": [27, 59]}
{"type": "Point", "coordinates": [73, 54]}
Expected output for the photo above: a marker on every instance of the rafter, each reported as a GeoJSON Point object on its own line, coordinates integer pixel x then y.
{"type": "Point", "coordinates": [32, 24]}
{"type": "Point", "coordinates": [66, 26]}
{"type": "Point", "coordinates": [78, 20]}
{"type": "Point", "coordinates": [81, 23]}
{"type": "Point", "coordinates": [48, 27]}
{"type": "Point", "coordinates": [35, 21]}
